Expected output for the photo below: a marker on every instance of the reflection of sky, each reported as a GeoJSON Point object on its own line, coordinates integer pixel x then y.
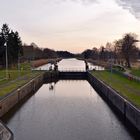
{"type": "Point", "coordinates": [44, 67]}
{"type": "Point", "coordinates": [71, 65]}
{"type": "Point", "coordinates": [72, 25]}
{"type": "Point", "coordinates": [73, 111]}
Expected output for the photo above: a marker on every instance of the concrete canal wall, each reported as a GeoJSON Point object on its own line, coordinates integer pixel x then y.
{"type": "Point", "coordinates": [130, 112]}
{"type": "Point", "coordinates": [6, 103]}
{"type": "Point", "coordinates": [72, 75]}
{"type": "Point", "coordinates": [12, 99]}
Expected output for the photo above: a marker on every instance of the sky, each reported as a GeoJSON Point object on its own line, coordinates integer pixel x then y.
{"type": "Point", "coordinates": [72, 25]}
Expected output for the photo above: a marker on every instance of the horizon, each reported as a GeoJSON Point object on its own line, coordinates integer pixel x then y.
{"type": "Point", "coordinates": [71, 25]}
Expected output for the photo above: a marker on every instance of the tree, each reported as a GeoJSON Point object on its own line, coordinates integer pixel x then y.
{"type": "Point", "coordinates": [2, 49]}
{"type": "Point", "coordinates": [3, 40]}
{"type": "Point", "coordinates": [95, 55]}
{"type": "Point", "coordinates": [102, 53]}
{"type": "Point", "coordinates": [117, 50]}
{"type": "Point", "coordinates": [127, 47]}
{"type": "Point", "coordinates": [5, 32]}
{"type": "Point", "coordinates": [13, 42]}
{"type": "Point", "coordinates": [49, 53]}
{"type": "Point", "coordinates": [64, 54]}
{"type": "Point", "coordinates": [14, 46]}
{"type": "Point", "coordinates": [87, 54]}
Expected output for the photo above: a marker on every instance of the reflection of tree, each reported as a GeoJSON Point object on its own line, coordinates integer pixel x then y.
{"type": "Point", "coordinates": [86, 65]}
{"type": "Point", "coordinates": [50, 68]}
{"type": "Point", "coordinates": [51, 86]}
{"type": "Point", "coordinates": [55, 67]}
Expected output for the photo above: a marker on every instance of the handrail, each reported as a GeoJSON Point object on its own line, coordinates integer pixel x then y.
{"type": "Point", "coordinates": [5, 132]}
{"type": "Point", "coordinates": [70, 70]}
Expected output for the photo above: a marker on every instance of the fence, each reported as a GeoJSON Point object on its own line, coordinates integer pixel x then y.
{"type": "Point", "coordinates": [128, 75]}
{"type": "Point", "coordinates": [5, 133]}
{"type": "Point", "coordinates": [71, 70]}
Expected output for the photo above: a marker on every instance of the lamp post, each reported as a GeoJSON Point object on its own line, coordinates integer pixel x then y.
{"type": "Point", "coordinates": [98, 61]}
{"type": "Point", "coordinates": [18, 66]}
{"type": "Point", "coordinates": [6, 58]}
{"type": "Point", "coordinates": [111, 66]}
{"type": "Point", "coordinates": [33, 58]}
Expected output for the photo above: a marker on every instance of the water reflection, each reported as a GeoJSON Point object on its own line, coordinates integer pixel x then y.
{"type": "Point", "coordinates": [51, 86]}
{"type": "Point", "coordinates": [67, 110]}
{"type": "Point", "coordinates": [45, 67]}
{"type": "Point", "coordinates": [71, 65]}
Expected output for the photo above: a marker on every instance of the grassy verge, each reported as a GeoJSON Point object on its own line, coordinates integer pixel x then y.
{"type": "Point", "coordinates": [135, 72]}
{"type": "Point", "coordinates": [40, 62]}
{"type": "Point", "coordinates": [127, 88]}
{"type": "Point", "coordinates": [12, 85]}
{"type": "Point", "coordinates": [9, 85]}
{"type": "Point", "coordinates": [13, 74]}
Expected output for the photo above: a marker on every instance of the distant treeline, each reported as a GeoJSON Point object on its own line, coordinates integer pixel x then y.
{"type": "Point", "coordinates": [11, 43]}
{"type": "Point", "coordinates": [33, 52]}
{"type": "Point", "coordinates": [120, 51]}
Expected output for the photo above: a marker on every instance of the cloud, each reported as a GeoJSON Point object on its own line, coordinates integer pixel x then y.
{"type": "Point", "coordinates": [80, 1]}
{"type": "Point", "coordinates": [132, 5]}
{"type": "Point", "coordinates": [86, 1]}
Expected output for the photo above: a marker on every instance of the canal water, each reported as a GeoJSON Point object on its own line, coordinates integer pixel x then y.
{"type": "Point", "coordinates": [66, 110]}
{"type": "Point", "coordinates": [71, 64]}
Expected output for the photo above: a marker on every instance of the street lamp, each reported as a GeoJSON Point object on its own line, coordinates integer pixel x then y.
{"type": "Point", "coordinates": [18, 65]}
{"type": "Point", "coordinates": [98, 60]}
{"type": "Point", "coordinates": [6, 57]}
{"type": "Point", "coordinates": [111, 66]}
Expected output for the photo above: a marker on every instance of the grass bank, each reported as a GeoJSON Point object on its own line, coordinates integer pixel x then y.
{"type": "Point", "coordinates": [135, 72]}
{"type": "Point", "coordinates": [127, 88]}
{"type": "Point", "coordinates": [41, 62]}
{"type": "Point", "coordinates": [16, 78]}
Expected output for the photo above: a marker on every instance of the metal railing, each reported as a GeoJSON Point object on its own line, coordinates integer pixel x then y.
{"type": "Point", "coordinates": [71, 70]}
{"type": "Point", "coordinates": [5, 133]}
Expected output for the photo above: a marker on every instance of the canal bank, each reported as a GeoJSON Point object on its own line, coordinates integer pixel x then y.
{"type": "Point", "coordinates": [126, 108]}
{"type": "Point", "coordinates": [131, 113]}
{"type": "Point", "coordinates": [66, 109]}
{"type": "Point", "coordinates": [12, 99]}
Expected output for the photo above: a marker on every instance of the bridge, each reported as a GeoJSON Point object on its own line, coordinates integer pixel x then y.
{"type": "Point", "coordinates": [66, 74]}
{"type": "Point", "coordinates": [72, 74]}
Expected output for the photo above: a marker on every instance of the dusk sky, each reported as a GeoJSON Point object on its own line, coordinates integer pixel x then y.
{"type": "Point", "coordinates": [73, 25]}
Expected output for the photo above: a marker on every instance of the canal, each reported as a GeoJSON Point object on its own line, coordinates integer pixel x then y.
{"type": "Point", "coordinates": [66, 110]}
{"type": "Point", "coordinates": [71, 64]}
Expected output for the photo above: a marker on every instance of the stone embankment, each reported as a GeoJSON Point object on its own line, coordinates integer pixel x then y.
{"type": "Point", "coordinates": [12, 99]}
{"type": "Point", "coordinates": [129, 111]}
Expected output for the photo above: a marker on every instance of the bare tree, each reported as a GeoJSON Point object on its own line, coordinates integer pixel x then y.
{"type": "Point", "coordinates": [126, 47]}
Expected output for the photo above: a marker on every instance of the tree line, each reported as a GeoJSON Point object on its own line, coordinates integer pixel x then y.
{"type": "Point", "coordinates": [122, 51]}
{"type": "Point", "coordinates": [33, 52]}
{"type": "Point", "coordinates": [11, 41]}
